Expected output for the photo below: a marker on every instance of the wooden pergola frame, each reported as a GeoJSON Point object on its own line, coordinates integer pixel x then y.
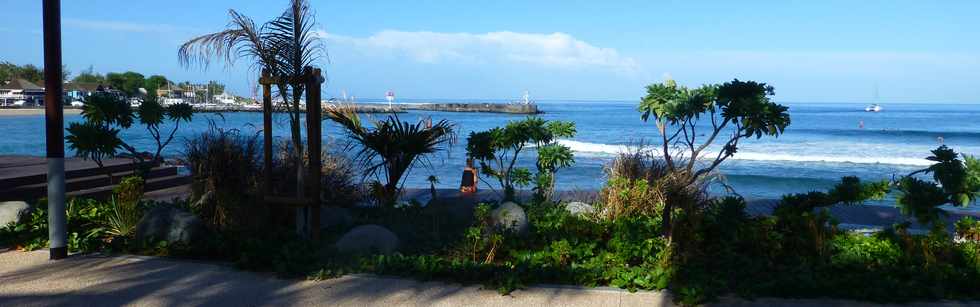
{"type": "Point", "coordinates": [312, 78]}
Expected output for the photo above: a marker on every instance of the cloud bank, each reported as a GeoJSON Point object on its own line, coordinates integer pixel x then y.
{"type": "Point", "coordinates": [120, 26]}
{"type": "Point", "coordinates": [555, 50]}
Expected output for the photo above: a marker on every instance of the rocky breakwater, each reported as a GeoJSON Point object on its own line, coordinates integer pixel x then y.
{"type": "Point", "coordinates": [475, 107]}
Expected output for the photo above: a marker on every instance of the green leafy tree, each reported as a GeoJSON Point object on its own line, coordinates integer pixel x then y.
{"type": "Point", "coordinates": [7, 71]}
{"type": "Point", "coordinates": [497, 150]}
{"type": "Point", "coordinates": [97, 137]}
{"type": "Point", "coordinates": [153, 83]}
{"type": "Point", "coordinates": [850, 191]}
{"type": "Point", "coordinates": [389, 150]}
{"type": "Point", "coordinates": [729, 113]}
{"type": "Point", "coordinates": [29, 72]}
{"type": "Point", "coordinates": [128, 82]}
{"type": "Point", "coordinates": [955, 181]}
{"type": "Point", "coordinates": [282, 46]}
{"type": "Point", "coordinates": [89, 76]}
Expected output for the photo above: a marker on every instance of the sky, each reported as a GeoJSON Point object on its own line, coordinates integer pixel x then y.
{"type": "Point", "coordinates": [810, 51]}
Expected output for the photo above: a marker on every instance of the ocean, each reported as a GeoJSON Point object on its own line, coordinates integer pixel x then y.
{"type": "Point", "coordinates": [824, 142]}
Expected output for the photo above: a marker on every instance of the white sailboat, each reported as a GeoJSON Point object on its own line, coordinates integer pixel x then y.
{"type": "Point", "coordinates": [874, 107]}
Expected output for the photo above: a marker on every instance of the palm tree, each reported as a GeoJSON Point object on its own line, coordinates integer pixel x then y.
{"type": "Point", "coordinates": [390, 149]}
{"type": "Point", "coordinates": [433, 180]}
{"type": "Point", "coordinates": [282, 46]}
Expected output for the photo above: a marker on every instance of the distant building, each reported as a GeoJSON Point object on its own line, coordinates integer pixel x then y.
{"type": "Point", "coordinates": [20, 92]}
{"type": "Point", "coordinates": [224, 98]}
{"type": "Point", "coordinates": [77, 91]}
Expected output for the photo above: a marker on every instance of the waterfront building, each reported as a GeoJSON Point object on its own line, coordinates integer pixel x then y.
{"type": "Point", "coordinates": [21, 93]}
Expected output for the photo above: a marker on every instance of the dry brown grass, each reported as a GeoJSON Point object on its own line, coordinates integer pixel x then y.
{"type": "Point", "coordinates": [641, 183]}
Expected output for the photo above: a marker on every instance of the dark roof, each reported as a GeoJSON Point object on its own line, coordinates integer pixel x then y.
{"type": "Point", "coordinates": [82, 86]}
{"type": "Point", "coordinates": [20, 84]}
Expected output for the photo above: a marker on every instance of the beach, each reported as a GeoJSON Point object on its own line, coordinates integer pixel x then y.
{"type": "Point", "coordinates": [33, 111]}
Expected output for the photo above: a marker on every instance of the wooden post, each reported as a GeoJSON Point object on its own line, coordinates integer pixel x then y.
{"type": "Point", "coordinates": [266, 134]}
{"type": "Point", "coordinates": [313, 139]}
{"type": "Point", "coordinates": [54, 129]}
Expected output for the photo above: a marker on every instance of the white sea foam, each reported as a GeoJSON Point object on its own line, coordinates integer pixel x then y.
{"type": "Point", "coordinates": [612, 149]}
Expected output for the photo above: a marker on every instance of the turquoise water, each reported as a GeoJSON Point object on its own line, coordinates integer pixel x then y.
{"type": "Point", "coordinates": [823, 143]}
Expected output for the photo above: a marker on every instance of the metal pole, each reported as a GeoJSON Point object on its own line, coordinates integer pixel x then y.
{"type": "Point", "coordinates": [54, 129]}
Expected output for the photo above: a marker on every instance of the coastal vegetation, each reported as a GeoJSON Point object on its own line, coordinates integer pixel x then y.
{"type": "Point", "coordinates": [128, 82]}
{"type": "Point", "coordinates": [498, 149]}
{"type": "Point", "coordinates": [736, 110]}
{"type": "Point", "coordinates": [281, 48]}
{"type": "Point", "coordinates": [105, 115]}
{"type": "Point", "coordinates": [29, 72]}
{"type": "Point", "coordinates": [390, 149]}
{"type": "Point", "coordinates": [653, 225]}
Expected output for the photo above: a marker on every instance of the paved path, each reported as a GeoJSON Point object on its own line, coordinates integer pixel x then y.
{"type": "Point", "coordinates": [29, 279]}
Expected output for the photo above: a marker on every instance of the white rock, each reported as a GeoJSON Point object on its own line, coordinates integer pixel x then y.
{"type": "Point", "coordinates": [577, 208]}
{"type": "Point", "coordinates": [510, 216]}
{"type": "Point", "coordinates": [368, 239]}
{"type": "Point", "coordinates": [13, 212]}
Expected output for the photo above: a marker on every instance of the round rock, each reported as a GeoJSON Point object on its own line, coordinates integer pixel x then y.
{"type": "Point", "coordinates": [577, 208]}
{"type": "Point", "coordinates": [511, 217]}
{"type": "Point", "coordinates": [368, 239]}
{"type": "Point", "coordinates": [170, 224]}
{"type": "Point", "coordinates": [335, 217]}
{"type": "Point", "coordinates": [12, 212]}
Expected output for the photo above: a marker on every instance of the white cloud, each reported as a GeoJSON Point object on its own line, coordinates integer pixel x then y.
{"type": "Point", "coordinates": [556, 50]}
{"type": "Point", "coordinates": [119, 26]}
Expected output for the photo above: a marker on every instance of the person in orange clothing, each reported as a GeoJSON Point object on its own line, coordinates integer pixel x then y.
{"type": "Point", "coordinates": [470, 179]}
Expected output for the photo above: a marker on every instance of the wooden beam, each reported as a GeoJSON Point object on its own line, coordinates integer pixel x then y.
{"type": "Point", "coordinates": [287, 201]}
{"type": "Point", "coordinates": [314, 136]}
{"type": "Point", "coordinates": [266, 136]}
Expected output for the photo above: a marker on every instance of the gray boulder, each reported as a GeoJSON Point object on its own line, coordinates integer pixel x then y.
{"type": "Point", "coordinates": [577, 208]}
{"type": "Point", "coordinates": [367, 239]}
{"type": "Point", "coordinates": [335, 217]}
{"type": "Point", "coordinates": [13, 212]}
{"type": "Point", "coordinates": [171, 224]}
{"type": "Point", "coordinates": [510, 216]}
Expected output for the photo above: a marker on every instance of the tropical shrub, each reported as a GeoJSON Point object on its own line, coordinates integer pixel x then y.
{"type": "Point", "coordinates": [225, 168]}
{"type": "Point", "coordinates": [124, 207]}
{"type": "Point", "coordinates": [282, 47]}
{"type": "Point", "coordinates": [954, 182]}
{"type": "Point", "coordinates": [968, 228]}
{"type": "Point", "coordinates": [734, 110]}
{"type": "Point", "coordinates": [849, 191]}
{"type": "Point", "coordinates": [105, 114]}
{"type": "Point", "coordinates": [391, 148]}
{"type": "Point", "coordinates": [497, 151]}
{"type": "Point", "coordinates": [338, 181]}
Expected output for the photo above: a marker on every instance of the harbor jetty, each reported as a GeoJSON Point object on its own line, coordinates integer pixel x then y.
{"type": "Point", "coordinates": [506, 108]}
{"type": "Point", "coordinates": [510, 108]}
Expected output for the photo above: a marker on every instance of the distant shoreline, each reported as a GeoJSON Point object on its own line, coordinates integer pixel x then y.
{"type": "Point", "coordinates": [33, 111]}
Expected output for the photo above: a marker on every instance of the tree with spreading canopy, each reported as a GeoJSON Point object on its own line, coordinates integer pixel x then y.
{"type": "Point", "coordinates": [690, 121]}
{"type": "Point", "coordinates": [497, 151]}
{"type": "Point", "coordinates": [105, 115]}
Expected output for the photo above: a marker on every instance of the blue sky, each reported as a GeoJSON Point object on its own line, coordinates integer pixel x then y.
{"type": "Point", "coordinates": [811, 51]}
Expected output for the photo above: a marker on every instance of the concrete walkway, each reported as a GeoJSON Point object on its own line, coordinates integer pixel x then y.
{"type": "Point", "coordinates": [29, 279]}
